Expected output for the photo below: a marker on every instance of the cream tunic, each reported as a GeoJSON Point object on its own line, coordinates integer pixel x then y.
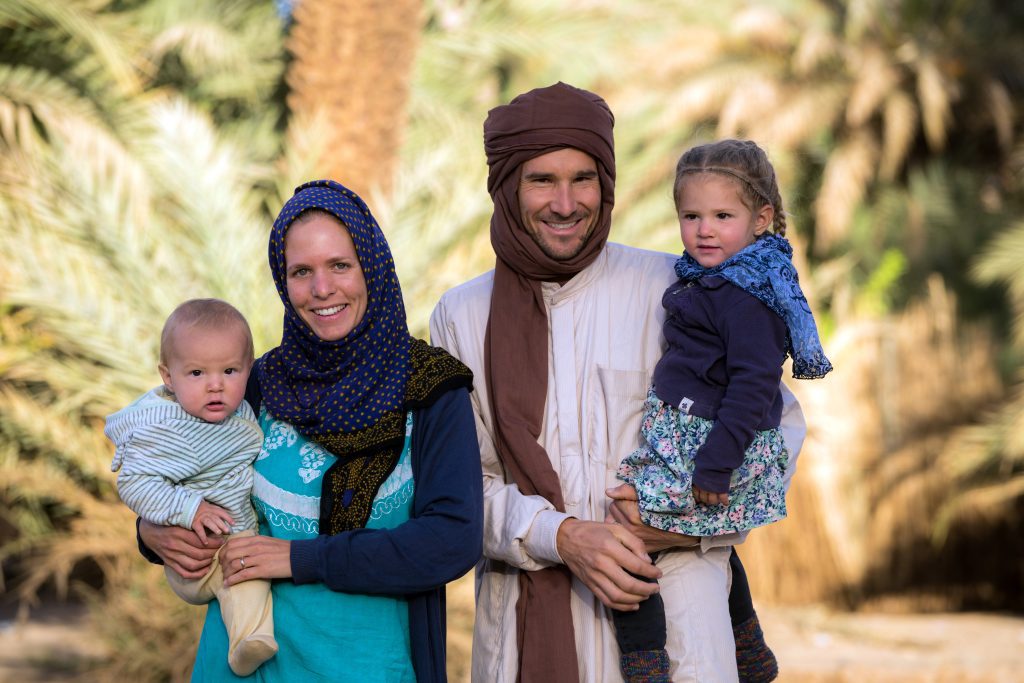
{"type": "Point", "coordinates": [605, 339]}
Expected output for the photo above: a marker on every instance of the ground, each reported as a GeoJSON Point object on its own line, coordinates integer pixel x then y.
{"type": "Point", "coordinates": [818, 646]}
{"type": "Point", "coordinates": [813, 645]}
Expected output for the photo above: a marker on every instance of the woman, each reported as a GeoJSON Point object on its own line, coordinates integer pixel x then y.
{"type": "Point", "coordinates": [368, 488]}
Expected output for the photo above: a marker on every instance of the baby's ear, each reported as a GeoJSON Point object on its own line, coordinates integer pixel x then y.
{"type": "Point", "coordinates": [165, 375]}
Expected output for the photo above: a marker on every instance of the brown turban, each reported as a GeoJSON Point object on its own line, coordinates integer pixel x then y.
{"type": "Point", "coordinates": [516, 344]}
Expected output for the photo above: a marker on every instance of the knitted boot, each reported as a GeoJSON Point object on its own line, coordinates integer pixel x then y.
{"type": "Point", "coordinates": [754, 659]}
{"type": "Point", "coordinates": [645, 666]}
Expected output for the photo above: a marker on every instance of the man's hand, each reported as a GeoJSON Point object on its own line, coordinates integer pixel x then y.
{"type": "Point", "coordinates": [180, 549]}
{"type": "Point", "coordinates": [625, 511]}
{"type": "Point", "coordinates": [213, 518]}
{"type": "Point", "coordinates": [600, 555]}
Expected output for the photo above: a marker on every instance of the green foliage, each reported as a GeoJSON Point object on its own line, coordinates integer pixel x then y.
{"type": "Point", "coordinates": [136, 149]}
{"type": "Point", "coordinates": [875, 298]}
{"type": "Point", "coordinates": [1001, 262]}
{"type": "Point", "coordinates": [987, 462]}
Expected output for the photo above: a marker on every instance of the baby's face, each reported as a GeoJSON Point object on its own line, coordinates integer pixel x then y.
{"type": "Point", "coordinates": [207, 371]}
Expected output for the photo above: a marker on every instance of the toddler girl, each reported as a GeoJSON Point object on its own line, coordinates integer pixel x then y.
{"type": "Point", "coordinates": [713, 457]}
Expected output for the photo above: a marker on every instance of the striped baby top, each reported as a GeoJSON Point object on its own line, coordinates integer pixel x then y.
{"type": "Point", "coordinates": [170, 461]}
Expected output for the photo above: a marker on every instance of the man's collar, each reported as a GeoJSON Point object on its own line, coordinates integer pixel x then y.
{"type": "Point", "coordinates": [580, 282]}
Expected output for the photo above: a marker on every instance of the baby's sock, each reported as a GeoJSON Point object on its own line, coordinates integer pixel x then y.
{"type": "Point", "coordinates": [250, 653]}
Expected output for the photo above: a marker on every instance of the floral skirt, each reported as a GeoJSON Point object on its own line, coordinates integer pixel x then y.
{"type": "Point", "coordinates": [661, 471]}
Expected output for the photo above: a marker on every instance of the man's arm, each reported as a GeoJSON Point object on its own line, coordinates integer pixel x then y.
{"type": "Point", "coordinates": [525, 531]}
{"type": "Point", "coordinates": [519, 530]}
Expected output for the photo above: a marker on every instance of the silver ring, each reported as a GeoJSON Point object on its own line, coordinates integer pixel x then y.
{"type": "Point", "coordinates": [241, 561]}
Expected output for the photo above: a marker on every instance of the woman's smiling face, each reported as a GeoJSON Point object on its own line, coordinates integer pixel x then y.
{"type": "Point", "coordinates": [325, 282]}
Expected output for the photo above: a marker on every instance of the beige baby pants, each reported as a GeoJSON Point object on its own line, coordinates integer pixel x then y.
{"type": "Point", "coordinates": [245, 608]}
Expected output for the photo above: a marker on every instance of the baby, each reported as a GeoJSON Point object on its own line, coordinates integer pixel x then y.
{"type": "Point", "coordinates": [185, 452]}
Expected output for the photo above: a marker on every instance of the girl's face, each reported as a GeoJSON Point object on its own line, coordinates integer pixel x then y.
{"type": "Point", "coordinates": [714, 222]}
{"type": "Point", "coordinates": [325, 282]}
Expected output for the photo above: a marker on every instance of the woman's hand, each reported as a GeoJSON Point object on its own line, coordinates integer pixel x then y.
{"type": "Point", "coordinates": [625, 510]}
{"type": "Point", "coordinates": [181, 549]}
{"type": "Point", "coordinates": [255, 557]}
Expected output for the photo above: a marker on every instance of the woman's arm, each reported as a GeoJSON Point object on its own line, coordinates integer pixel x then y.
{"type": "Point", "coordinates": [442, 540]}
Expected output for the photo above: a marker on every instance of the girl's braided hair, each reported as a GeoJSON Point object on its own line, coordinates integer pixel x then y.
{"type": "Point", "coordinates": [742, 160]}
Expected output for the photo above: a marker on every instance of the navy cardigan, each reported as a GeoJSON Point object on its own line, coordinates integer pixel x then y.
{"type": "Point", "coordinates": [724, 363]}
{"type": "Point", "coordinates": [442, 540]}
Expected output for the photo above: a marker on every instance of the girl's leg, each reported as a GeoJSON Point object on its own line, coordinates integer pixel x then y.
{"type": "Point", "coordinates": [755, 661]}
{"type": "Point", "coordinates": [641, 638]}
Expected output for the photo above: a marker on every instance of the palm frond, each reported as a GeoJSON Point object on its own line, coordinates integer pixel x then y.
{"type": "Point", "coordinates": [900, 121]}
{"type": "Point", "coordinates": [875, 78]}
{"type": "Point", "coordinates": [936, 93]}
{"type": "Point", "coordinates": [1001, 261]}
{"type": "Point", "coordinates": [801, 111]}
{"type": "Point", "coordinates": [1001, 109]}
{"type": "Point", "coordinates": [815, 50]}
{"type": "Point", "coordinates": [845, 180]}
{"type": "Point", "coordinates": [82, 22]}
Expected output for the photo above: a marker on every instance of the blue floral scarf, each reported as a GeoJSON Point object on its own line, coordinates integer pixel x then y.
{"type": "Point", "coordinates": [765, 270]}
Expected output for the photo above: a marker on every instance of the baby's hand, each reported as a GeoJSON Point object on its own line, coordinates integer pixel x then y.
{"type": "Point", "coordinates": [710, 497]}
{"type": "Point", "coordinates": [211, 517]}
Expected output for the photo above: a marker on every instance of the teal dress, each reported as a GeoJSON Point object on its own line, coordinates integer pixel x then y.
{"type": "Point", "coordinates": [323, 635]}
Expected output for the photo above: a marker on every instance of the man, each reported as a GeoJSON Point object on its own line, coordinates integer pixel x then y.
{"type": "Point", "coordinates": [562, 337]}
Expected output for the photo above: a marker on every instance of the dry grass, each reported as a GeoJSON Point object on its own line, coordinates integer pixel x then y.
{"type": "Point", "coordinates": [868, 487]}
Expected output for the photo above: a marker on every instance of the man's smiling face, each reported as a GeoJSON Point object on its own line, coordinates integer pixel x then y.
{"type": "Point", "coordinates": [560, 201]}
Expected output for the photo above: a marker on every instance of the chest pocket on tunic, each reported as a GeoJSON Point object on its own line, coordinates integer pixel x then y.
{"type": "Point", "coordinates": [617, 405]}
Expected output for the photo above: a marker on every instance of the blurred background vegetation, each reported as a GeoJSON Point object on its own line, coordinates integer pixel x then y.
{"type": "Point", "coordinates": [145, 146]}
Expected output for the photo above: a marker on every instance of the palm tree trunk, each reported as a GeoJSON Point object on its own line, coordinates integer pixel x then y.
{"type": "Point", "coordinates": [349, 83]}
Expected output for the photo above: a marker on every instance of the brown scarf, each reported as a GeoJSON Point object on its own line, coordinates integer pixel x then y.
{"type": "Point", "coordinates": [516, 357]}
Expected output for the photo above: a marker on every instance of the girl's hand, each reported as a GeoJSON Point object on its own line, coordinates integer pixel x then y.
{"type": "Point", "coordinates": [213, 518]}
{"type": "Point", "coordinates": [710, 497]}
{"type": "Point", "coordinates": [255, 557]}
{"type": "Point", "coordinates": [180, 549]}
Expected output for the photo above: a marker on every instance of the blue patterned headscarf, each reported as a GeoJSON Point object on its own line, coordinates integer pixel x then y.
{"type": "Point", "coordinates": [326, 387]}
{"type": "Point", "coordinates": [351, 395]}
{"type": "Point", "coordinates": [765, 269]}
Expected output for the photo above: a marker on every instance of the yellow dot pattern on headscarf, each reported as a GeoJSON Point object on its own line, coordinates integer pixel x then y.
{"type": "Point", "coordinates": [351, 395]}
